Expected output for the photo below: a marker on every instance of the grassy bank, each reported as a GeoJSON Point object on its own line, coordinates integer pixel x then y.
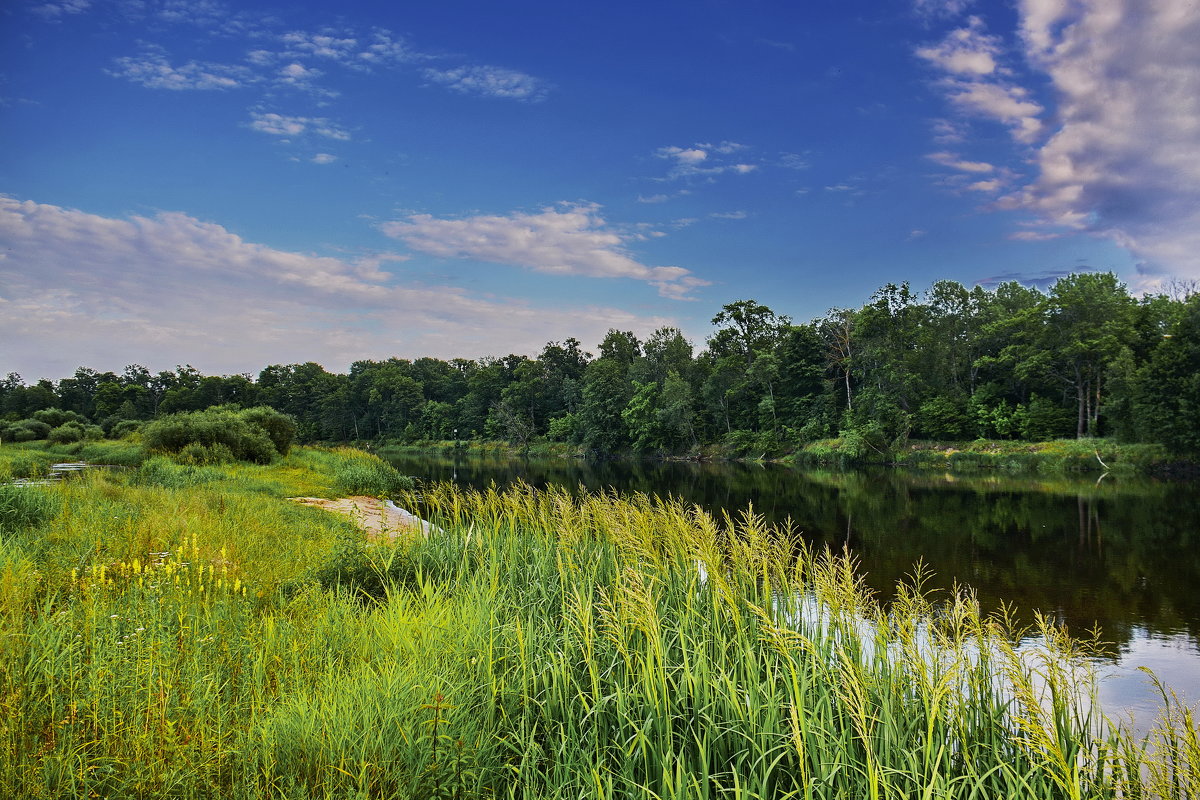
{"type": "Point", "coordinates": [1062, 455]}
{"type": "Point", "coordinates": [185, 631]}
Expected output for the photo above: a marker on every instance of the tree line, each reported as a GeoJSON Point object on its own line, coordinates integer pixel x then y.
{"type": "Point", "coordinates": [1082, 359]}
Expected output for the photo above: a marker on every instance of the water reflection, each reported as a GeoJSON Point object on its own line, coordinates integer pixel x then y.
{"type": "Point", "coordinates": [1120, 553]}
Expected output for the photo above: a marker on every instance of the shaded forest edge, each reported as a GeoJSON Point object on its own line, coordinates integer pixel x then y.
{"type": "Point", "coordinates": [949, 377]}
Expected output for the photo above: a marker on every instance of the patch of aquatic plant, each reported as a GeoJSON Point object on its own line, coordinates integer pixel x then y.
{"type": "Point", "coordinates": [169, 474]}
{"type": "Point", "coordinates": [25, 507]}
{"type": "Point", "coordinates": [109, 452]}
{"type": "Point", "coordinates": [356, 472]}
{"type": "Point", "coordinates": [24, 461]}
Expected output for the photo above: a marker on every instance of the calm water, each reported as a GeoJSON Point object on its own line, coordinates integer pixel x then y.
{"type": "Point", "coordinates": [1122, 554]}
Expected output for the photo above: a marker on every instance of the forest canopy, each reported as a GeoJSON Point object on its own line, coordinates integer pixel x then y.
{"type": "Point", "coordinates": [1082, 359]}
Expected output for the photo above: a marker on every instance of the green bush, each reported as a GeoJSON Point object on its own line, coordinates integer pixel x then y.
{"type": "Point", "coordinates": [123, 428]}
{"type": "Point", "coordinates": [55, 417]}
{"type": "Point", "coordinates": [252, 435]}
{"type": "Point", "coordinates": [26, 430]}
{"type": "Point", "coordinates": [280, 427]}
{"type": "Point", "coordinates": [74, 431]}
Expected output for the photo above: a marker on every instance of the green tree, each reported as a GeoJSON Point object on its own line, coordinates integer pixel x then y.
{"type": "Point", "coordinates": [1088, 324]}
{"type": "Point", "coordinates": [1167, 395]}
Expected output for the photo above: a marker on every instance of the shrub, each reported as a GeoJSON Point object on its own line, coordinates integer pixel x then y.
{"type": "Point", "coordinates": [239, 434]}
{"type": "Point", "coordinates": [55, 417]}
{"type": "Point", "coordinates": [124, 427]}
{"type": "Point", "coordinates": [201, 454]}
{"type": "Point", "coordinates": [280, 427]}
{"type": "Point", "coordinates": [73, 431]}
{"type": "Point", "coordinates": [27, 430]}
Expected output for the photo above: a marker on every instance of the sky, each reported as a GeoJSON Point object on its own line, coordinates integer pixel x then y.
{"type": "Point", "coordinates": [236, 185]}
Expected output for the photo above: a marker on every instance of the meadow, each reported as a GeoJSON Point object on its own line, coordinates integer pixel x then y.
{"type": "Point", "coordinates": [183, 630]}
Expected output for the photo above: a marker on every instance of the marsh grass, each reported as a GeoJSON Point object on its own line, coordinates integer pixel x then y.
{"type": "Point", "coordinates": [175, 633]}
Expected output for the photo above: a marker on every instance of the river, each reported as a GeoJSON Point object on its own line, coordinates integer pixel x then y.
{"type": "Point", "coordinates": [1121, 555]}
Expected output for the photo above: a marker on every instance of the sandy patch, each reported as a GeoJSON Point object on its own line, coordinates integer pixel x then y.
{"type": "Point", "coordinates": [379, 518]}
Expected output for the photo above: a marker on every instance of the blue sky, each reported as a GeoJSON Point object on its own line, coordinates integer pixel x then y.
{"type": "Point", "coordinates": [236, 185]}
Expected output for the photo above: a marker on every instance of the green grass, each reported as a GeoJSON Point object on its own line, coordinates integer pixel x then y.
{"type": "Point", "coordinates": [177, 631]}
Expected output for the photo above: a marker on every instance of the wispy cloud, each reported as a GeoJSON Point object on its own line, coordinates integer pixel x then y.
{"type": "Point", "coordinates": [729, 215]}
{"type": "Point", "coordinates": [975, 83]}
{"type": "Point", "coordinates": [283, 125]}
{"type": "Point", "coordinates": [154, 71]}
{"type": "Point", "coordinates": [279, 57]}
{"type": "Point", "coordinates": [965, 51]}
{"type": "Point", "coordinates": [488, 81]}
{"type": "Point", "coordinates": [570, 239]}
{"type": "Point", "coordinates": [704, 160]}
{"type": "Point", "coordinates": [993, 185]}
{"type": "Point", "coordinates": [953, 161]}
{"type": "Point", "coordinates": [794, 161]}
{"type": "Point", "coordinates": [56, 11]}
{"type": "Point", "coordinates": [324, 158]}
{"type": "Point", "coordinates": [941, 8]}
{"type": "Point", "coordinates": [83, 288]}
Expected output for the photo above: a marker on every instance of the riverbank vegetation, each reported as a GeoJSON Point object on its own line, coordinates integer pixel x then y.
{"type": "Point", "coordinates": [1082, 360]}
{"type": "Point", "coordinates": [182, 630]}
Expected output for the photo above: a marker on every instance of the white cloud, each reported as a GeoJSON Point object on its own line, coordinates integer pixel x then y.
{"type": "Point", "coordinates": [1115, 155]}
{"type": "Point", "coordinates": [85, 289]}
{"type": "Point", "coordinates": [954, 162]}
{"type": "Point", "coordinates": [993, 185]}
{"type": "Point", "coordinates": [321, 45]}
{"type": "Point", "coordinates": [975, 83]}
{"type": "Point", "coordinates": [324, 158]}
{"type": "Point", "coordinates": [702, 159]}
{"type": "Point", "coordinates": [965, 51]}
{"type": "Point", "coordinates": [941, 8]}
{"type": "Point", "coordinates": [793, 161]}
{"type": "Point", "coordinates": [295, 72]}
{"type": "Point", "coordinates": [947, 131]}
{"type": "Point", "coordinates": [56, 11]}
{"type": "Point", "coordinates": [1123, 161]}
{"type": "Point", "coordinates": [568, 240]}
{"type": "Point", "coordinates": [283, 125]}
{"type": "Point", "coordinates": [1004, 103]}
{"type": "Point", "coordinates": [385, 48]}
{"type": "Point", "coordinates": [1033, 236]}
{"type": "Point", "coordinates": [490, 82]}
{"type": "Point", "coordinates": [153, 71]}
{"type": "Point", "coordinates": [729, 215]}
{"type": "Point", "coordinates": [685, 156]}
{"type": "Point", "coordinates": [654, 198]}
